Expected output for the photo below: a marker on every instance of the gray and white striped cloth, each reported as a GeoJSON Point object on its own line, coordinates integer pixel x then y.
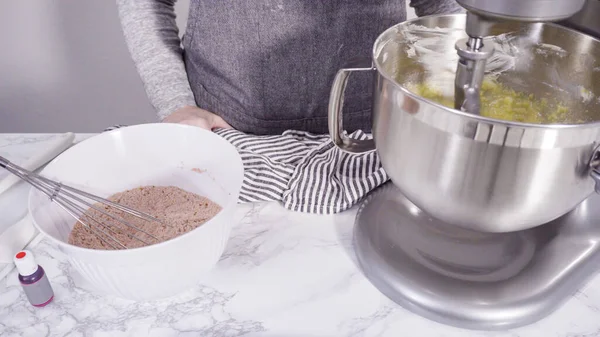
{"type": "Point", "coordinates": [305, 172]}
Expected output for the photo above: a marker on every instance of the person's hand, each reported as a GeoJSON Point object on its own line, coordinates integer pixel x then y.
{"type": "Point", "coordinates": [195, 116]}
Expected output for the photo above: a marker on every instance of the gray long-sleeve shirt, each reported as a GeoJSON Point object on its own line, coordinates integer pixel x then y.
{"type": "Point", "coordinates": [263, 65]}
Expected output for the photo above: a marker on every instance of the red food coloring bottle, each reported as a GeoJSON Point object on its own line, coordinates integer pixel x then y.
{"type": "Point", "coordinates": [33, 279]}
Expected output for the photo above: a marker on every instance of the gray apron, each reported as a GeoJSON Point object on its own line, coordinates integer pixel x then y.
{"type": "Point", "coordinates": [267, 66]}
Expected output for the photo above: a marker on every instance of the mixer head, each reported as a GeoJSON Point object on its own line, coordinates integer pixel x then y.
{"type": "Point", "coordinates": [523, 10]}
{"type": "Point", "coordinates": [473, 52]}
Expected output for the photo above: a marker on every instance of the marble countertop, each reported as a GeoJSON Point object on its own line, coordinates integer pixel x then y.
{"type": "Point", "coordinates": [282, 274]}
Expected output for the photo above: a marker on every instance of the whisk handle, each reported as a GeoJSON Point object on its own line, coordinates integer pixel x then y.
{"type": "Point", "coordinates": [4, 162]}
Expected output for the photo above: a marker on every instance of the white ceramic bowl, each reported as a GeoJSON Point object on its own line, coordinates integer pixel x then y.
{"type": "Point", "coordinates": [149, 154]}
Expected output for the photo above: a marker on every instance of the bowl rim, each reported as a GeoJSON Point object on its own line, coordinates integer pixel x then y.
{"type": "Point", "coordinates": [230, 204]}
{"type": "Point", "coordinates": [379, 42]}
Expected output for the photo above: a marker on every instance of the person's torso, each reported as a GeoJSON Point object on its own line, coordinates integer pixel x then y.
{"type": "Point", "coordinates": [267, 65]}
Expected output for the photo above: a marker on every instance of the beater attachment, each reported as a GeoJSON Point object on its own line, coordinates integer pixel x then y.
{"type": "Point", "coordinates": [473, 54]}
{"type": "Point", "coordinates": [481, 17]}
{"type": "Point", "coordinates": [77, 203]}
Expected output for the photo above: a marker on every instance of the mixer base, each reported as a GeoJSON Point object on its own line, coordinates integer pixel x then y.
{"type": "Point", "coordinates": [484, 281]}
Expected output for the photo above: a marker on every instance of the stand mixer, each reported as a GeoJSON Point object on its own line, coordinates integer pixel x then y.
{"type": "Point", "coordinates": [487, 224]}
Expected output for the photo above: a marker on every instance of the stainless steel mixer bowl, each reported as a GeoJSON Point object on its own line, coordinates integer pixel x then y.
{"type": "Point", "coordinates": [480, 173]}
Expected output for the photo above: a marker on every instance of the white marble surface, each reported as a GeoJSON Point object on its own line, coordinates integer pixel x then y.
{"type": "Point", "coordinates": [283, 274]}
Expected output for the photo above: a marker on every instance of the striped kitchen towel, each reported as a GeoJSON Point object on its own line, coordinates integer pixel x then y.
{"type": "Point", "coordinates": [304, 171]}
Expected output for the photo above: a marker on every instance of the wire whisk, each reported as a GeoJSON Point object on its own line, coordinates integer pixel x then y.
{"type": "Point", "coordinates": [77, 203]}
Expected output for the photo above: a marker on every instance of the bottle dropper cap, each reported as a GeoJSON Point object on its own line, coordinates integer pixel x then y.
{"type": "Point", "coordinates": [25, 263]}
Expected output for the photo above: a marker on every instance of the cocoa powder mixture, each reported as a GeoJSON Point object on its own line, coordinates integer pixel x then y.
{"type": "Point", "coordinates": [178, 210]}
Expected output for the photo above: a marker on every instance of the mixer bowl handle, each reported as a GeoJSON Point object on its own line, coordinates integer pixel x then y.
{"type": "Point", "coordinates": [596, 176]}
{"type": "Point", "coordinates": [336, 125]}
{"type": "Point", "coordinates": [595, 168]}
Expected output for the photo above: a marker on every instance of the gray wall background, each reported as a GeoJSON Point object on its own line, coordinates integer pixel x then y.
{"type": "Point", "coordinates": [64, 66]}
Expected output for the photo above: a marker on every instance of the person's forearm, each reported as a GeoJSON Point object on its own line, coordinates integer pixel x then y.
{"type": "Point", "coordinates": [153, 40]}
{"type": "Point", "coordinates": [430, 7]}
